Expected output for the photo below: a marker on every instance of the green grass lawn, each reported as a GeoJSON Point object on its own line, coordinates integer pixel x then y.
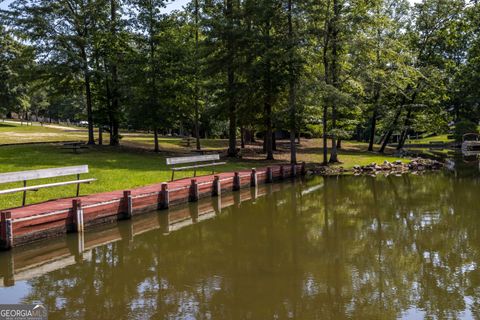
{"type": "Point", "coordinates": [352, 153]}
{"type": "Point", "coordinates": [125, 168]}
{"type": "Point", "coordinates": [16, 133]}
{"type": "Point", "coordinates": [115, 169]}
{"type": "Point", "coordinates": [439, 138]}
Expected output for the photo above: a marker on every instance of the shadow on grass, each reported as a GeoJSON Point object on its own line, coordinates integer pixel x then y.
{"type": "Point", "coordinates": [7, 125]}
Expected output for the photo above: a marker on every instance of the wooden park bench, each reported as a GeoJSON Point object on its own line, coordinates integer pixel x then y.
{"type": "Point", "coordinates": [74, 146]}
{"type": "Point", "coordinates": [25, 176]}
{"type": "Point", "coordinates": [208, 160]}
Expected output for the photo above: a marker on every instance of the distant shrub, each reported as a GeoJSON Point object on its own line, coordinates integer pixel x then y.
{"type": "Point", "coordinates": [307, 135]}
{"type": "Point", "coordinates": [313, 131]}
{"type": "Point", "coordinates": [462, 127]}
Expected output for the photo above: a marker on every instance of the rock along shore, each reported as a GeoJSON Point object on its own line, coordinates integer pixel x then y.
{"type": "Point", "coordinates": [398, 167]}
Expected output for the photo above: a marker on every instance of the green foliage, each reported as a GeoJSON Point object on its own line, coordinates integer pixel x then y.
{"type": "Point", "coordinates": [370, 68]}
{"type": "Point", "coordinates": [463, 127]}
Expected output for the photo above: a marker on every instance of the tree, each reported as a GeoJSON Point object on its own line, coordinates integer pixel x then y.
{"type": "Point", "coordinates": [61, 32]}
{"type": "Point", "coordinates": [14, 57]}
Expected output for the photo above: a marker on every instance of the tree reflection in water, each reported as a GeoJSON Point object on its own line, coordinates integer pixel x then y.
{"type": "Point", "coordinates": [356, 247]}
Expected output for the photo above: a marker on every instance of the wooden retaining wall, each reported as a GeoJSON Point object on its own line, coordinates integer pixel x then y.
{"type": "Point", "coordinates": [20, 226]}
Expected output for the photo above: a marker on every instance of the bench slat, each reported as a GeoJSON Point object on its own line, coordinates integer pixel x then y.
{"type": "Point", "coordinates": [192, 159]}
{"type": "Point", "coordinates": [199, 166]}
{"type": "Point", "coordinates": [43, 186]}
{"type": "Point", "coordinates": [42, 173]}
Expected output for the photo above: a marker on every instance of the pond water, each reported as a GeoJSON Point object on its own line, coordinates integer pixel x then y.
{"type": "Point", "coordinates": [323, 248]}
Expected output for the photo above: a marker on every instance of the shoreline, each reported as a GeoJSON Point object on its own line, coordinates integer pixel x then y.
{"type": "Point", "coordinates": [32, 223]}
{"type": "Point", "coordinates": [397, 167]}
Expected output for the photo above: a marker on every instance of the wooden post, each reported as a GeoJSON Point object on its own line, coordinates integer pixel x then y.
{"type": "Point", "coordinates": [216, 187]}
{"type": "Point", "coordinates": [77, 215]}
{"type": "Point", "coordinates": [236, 181]}
{"type": "Point", "coordinates": [193, 191]}
{"type": "Point", "coordinates": [293, 171]}
{"type": "Point", "coordinates": [253, 178]}
{"type": "Point", "coordinates": [78, 185]}
{"type": "Point", "coordinates": [24, 200]}
{"type": "Point", "coordinates": [304, 170]}
{"type": "Point", "coordinates": [127, 200]}
{"type": "Point", "coordinates": [269, 175]}
{"type": "Point", "coordinates": [7, 230]}
{"type": "Point", "coordinates": [164, 197]}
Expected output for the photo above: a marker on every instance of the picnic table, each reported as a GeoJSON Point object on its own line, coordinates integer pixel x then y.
{"type": "Point", "coordinates": [204, 151]}
{"type": "Point", "coordinates": [187, 141]}
{"type": "Point", "coordinates": [74, 146]}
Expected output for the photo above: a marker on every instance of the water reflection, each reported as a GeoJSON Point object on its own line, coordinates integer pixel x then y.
{"type": "Point", "coordinates": [326, 248]}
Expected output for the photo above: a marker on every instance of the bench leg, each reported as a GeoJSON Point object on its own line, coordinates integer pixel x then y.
{"type": "Point", "coordinates": [24, 201]}
{"type": "Point", "coordinates": [78, 185]}
{"type": "Point", "coordinates": [173, 174]}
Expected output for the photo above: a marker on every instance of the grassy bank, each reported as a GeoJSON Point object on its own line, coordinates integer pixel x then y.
{"type": "Point", "coordinates": [123, 168]}
{"type": "Point", "coordinates": [115, 169]}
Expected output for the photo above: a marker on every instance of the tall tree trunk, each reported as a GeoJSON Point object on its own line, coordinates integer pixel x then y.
{"type": "Point", "coordinates": [155, 137]}
{"type": "Point", "coordinates": [197, 111]}
{"type": "Point", "coordinates": [153, 80]}
{"type": "Point", "coordinates": [403, 135]}
{"type": "Point", "coordinates": [268, 98]}
{"type": "Point", "coordinates": [389, 133]}
{"type": "Point", "coordinates": [114, 113]}
{"type": "Point", "coordinates": [326, 67]}
{"type": "Point", "coordinates": [232, 112]}
{"type": "Point", "coordinates": [397, 115]}
{"type": "Point", "coordinates": [242, 137]}
{"type": "Point", "coordinates": [108, 96]}
{"type": "Point", "coordinates": [335, 76]}
{"type": "Point", "coordinates": [88, 97]}
{"type": "Point", "coordinates": [100, 135]}
{"type": "Point", "coordinates": [334, 151]}
{"type": "Point", "coordinates": [274, 142]}
{"type": "Point", "coordinates": [325, 140]}
{"type": "Point", "coordinates": [373, 129]}
{"type": "Point", "coordinates": [291, 87]}
{"type": "Point", "coordinates": [269, 129]}
{"type": "Point", "coordinates": [377, 89]}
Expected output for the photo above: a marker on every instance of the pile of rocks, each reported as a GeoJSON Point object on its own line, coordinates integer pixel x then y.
{"type": "Point", "coordinates": [327, 171]}
{"type": "Point", "coordinates": [415, 166]}
{"type": "Point", "coordinates": [398, 167]}
{"type": "Point", "coordinates": [421, 164]}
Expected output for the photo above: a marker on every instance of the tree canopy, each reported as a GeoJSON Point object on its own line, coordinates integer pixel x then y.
{"type": "Point", "coordinates": [337, 69]}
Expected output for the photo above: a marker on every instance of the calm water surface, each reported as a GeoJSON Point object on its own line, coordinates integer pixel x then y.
{"type": "Point", "coordinates": [325, 248]}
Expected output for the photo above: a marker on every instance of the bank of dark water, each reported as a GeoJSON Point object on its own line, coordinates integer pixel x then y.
{"type": "Point", "coordinates": [320, 248]}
